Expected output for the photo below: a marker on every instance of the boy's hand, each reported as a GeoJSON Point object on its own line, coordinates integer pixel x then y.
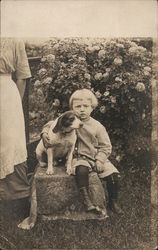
{"type": "Point", "coordinates": [45, 140]}
{"type": "Point", "coordinates": [99, 167]}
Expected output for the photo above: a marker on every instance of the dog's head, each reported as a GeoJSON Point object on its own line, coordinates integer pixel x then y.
{"type": "Point", "coordinates": [67, 122]}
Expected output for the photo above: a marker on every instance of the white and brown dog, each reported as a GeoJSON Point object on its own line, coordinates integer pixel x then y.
{"type": "Point", "coordinates": [62, 137]}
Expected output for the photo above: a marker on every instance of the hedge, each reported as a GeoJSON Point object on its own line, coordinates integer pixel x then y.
{"type": "Point", "coordinates": [118, 71]}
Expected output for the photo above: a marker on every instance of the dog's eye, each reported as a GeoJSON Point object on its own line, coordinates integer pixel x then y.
{"type": "Point", "coordinates": [71, 119]}
{"type": "Point", "coordinates": [68, 122]}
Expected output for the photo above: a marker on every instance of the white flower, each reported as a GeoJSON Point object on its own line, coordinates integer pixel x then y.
{"type": "Point", "coordinates": [32, 115]}
{"type": "Point", "coordinates": [132, 50]}
{"type": "Point", "coordinates": [98, 94]}
{"type": "Point", "coordinates": [63, 64]}
{"type": "Point", "coordinates": [133, 44]}
{"type": "Point", "coordinates": [42, 72]}
{"type": "Point", "coordinates": [43, 59]}
{"type": "Point", "coordinates": [51, 58]}
{"type": "Point", "coordinates": [108, 70]}
{"type": "Point", "coordinates": [146, 73]}
{"type": "Point", "coordinates": [96, 47]}
{"type": "Point", "coordinates": [113, 99]}
{"type": "Point", "coordinates": [118, 158]}
{"type": "Point", "coordinates": [37, 83]}
{"type": "Point", "coordinates": [56, 46]}
{"type": "Point", "coordinates": [140, 87]}
{"type": "Point", "coordinates": [141, 49]}
{"type": "Point", "coordinates": [113, 42]}
{"type": "Point", "coordinates": [106, 75]}
{"type": "Point", "coordinates": [98, 76]}
{"type": "Point", "coordinates": [119, 45]}
{"type": "Point", "coordinates": [136, 50]}
{"type": "Point", "coordinates": [48, 80]}
{"type": "Point", "coordinates": [106, 93]}
{"type": "Point", "coordinates": [40, 93]}
{"type": "Point", "coordinates": [89, 84]}
{"type": "Point", "coordinates": [81, 59]}
{"type": "Point", "coordinates": [102, 109]}
{"type": "Point", "coordinates": [87, 76]}
{"type": "Point", "coordinates": [118, 61]}
{"type": "Point", "coordinates": [132, 99]}
{"type": "Point", "coordinates": [143, 116]}
{"type": "Point", "coordinates": [117, 79]}
{"type": "Point", "coordinates": [101, 53]}
{"type": "Point", "coordinates": [147, 69]}
{"type": "Point", "coordinates": [90, 49]}
{"type": "Point", "coordinates": [56, 103]}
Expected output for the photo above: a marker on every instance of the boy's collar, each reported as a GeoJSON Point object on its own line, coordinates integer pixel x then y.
{"type": "Point", "coordinates": [87, 119]}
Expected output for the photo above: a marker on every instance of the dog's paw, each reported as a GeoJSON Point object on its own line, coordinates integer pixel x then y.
{"type": "Point", "coordinates": [26, 224]}
{"type": "Point", "coordinates": [50, 171]}
{"type": "Point", "coordinates": [68, 171]}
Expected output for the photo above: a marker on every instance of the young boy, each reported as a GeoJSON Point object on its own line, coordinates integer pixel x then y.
{"type": "Point", "coordinates": [92, 150]}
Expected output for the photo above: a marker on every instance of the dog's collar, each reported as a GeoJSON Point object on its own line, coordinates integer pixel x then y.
{"type": "Point", "coordinates": [67, 132]}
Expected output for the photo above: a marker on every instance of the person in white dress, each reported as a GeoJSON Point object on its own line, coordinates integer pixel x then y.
{"type": "Point", "coordinates": [13, 154]}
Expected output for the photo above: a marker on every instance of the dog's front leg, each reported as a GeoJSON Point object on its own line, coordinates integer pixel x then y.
{"type": "Point", "coordinates": [69, 161]}
{"type": "Point", "coordinates": [50, 169]}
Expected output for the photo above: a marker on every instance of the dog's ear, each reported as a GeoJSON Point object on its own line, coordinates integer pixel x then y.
{"type": "Point", "coordinates": [64, 121]}
{"type": "Point", "coordinates": [57, 127]}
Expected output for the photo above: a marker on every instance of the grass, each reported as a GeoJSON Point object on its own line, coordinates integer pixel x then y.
{"type": "Point", "coordinates": [132, 230]}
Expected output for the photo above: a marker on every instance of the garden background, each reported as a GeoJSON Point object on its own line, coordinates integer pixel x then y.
{"type": "Point", "coordinates": [119, 72]}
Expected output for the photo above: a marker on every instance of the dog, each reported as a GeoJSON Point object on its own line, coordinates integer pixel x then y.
{"type": "Point", "coordinates": [62, 137]}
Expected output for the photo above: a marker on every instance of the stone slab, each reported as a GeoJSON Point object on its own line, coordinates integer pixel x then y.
{"type": "Point", "coordinates": [58, 194]}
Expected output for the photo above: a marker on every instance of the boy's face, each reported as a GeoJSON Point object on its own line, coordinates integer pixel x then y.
{"type": "Point", "coordinates": [82, 108]}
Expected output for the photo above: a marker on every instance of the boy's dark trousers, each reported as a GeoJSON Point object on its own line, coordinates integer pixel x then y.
{"type": "Point", "coordinates": [112, 190]}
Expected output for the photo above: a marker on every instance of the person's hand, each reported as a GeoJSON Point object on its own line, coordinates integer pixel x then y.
{"type": "Point", "coordinates": [99, 167]}
{"type": "Point", "coordinates": [45, 139]}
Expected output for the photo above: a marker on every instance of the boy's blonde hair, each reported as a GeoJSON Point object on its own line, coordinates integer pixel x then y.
{"type": "Point", "coordinates": [81, 94]}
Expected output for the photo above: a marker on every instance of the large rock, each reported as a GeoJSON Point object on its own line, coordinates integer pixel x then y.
{"type": "Point", "coordinates": [57, 194]}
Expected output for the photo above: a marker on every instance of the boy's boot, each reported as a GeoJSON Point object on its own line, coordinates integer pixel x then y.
{"type": "Point", "coordinates": [113, 206]}
{"type": "Point", "coordinates": [86, 199]}
{"type": "Point", "coordinates": [112, 189]}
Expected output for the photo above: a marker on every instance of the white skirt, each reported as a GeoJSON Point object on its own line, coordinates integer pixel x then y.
{"type": "Point", "coordinates": [12, 129]}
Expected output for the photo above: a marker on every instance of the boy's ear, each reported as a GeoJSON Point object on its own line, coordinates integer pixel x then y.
{"type": "Point", "coordinates": [57, 127]}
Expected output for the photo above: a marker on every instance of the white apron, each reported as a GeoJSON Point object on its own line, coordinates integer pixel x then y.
{"type": "Point", "coordinates": [12, 128]}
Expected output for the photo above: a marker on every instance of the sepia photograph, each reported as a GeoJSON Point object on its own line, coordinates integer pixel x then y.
{"type": "Point", "coordinates": [79, 124]}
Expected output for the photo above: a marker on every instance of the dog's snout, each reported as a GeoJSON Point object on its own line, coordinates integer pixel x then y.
{"type": "Point", "coordinates": [77, 123]}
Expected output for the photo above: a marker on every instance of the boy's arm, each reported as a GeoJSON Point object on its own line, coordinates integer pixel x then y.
{"type": "Point", "coordinates": [104, 145]}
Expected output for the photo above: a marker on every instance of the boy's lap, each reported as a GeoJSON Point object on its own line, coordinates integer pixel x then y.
{"type": "Point", "coordinates": [81, 162]}
{"type": "Point", "coordinates": [107, 169]}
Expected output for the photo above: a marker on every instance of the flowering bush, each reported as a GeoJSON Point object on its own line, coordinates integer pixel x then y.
{"type": "Point", "coordinates": [118, 71]}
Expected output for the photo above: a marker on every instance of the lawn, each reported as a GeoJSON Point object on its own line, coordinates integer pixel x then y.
{"type": "Point", "coordinates": [132, 230]}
